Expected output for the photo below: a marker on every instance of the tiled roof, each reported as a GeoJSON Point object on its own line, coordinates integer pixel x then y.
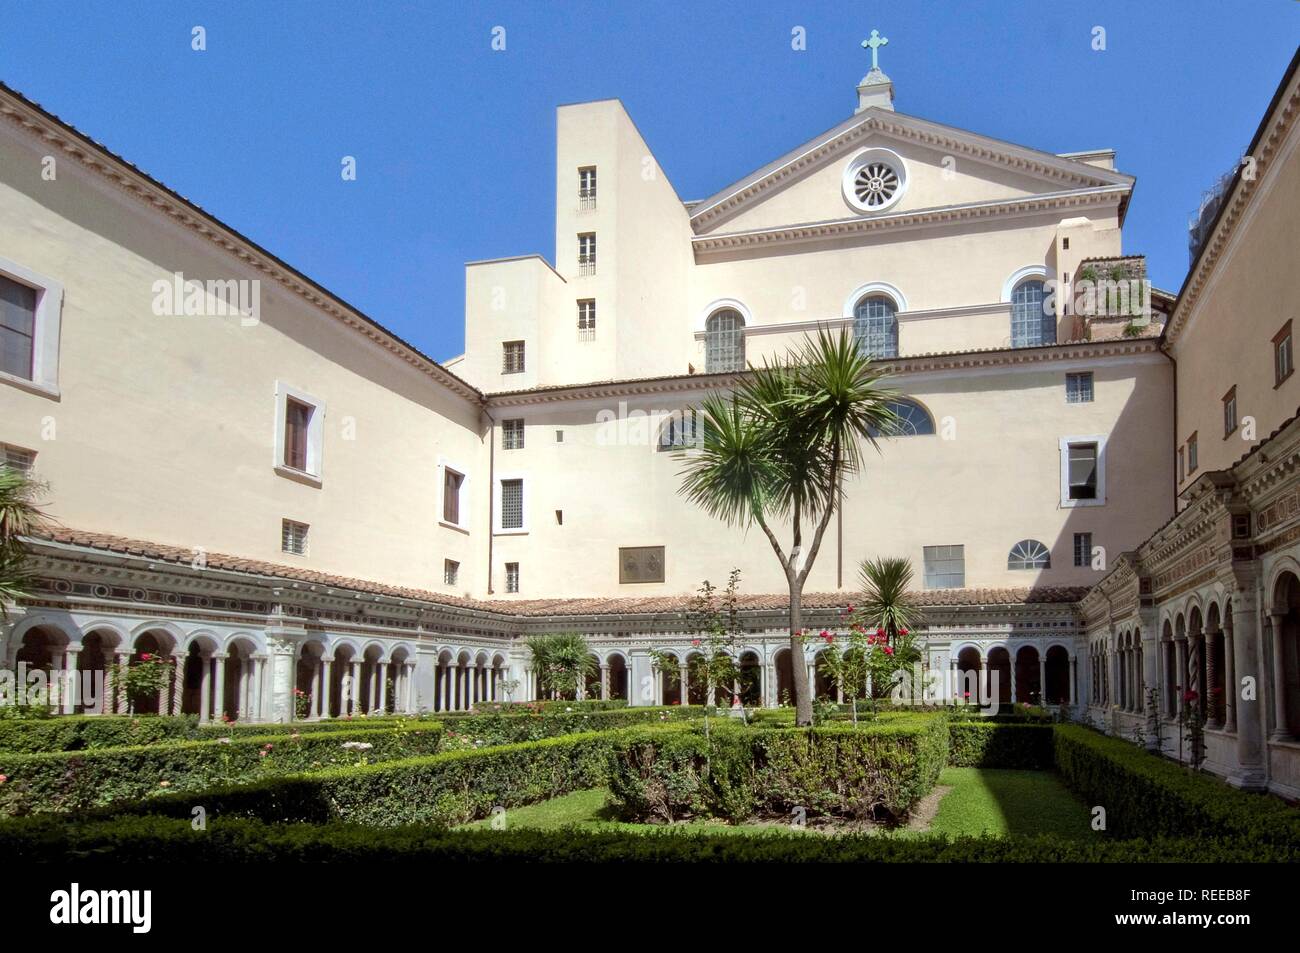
{"type": "Point", "coordinates": [535, 608]}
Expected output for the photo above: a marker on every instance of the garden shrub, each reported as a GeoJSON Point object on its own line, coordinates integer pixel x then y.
{"type": "Point", "coordinates": [77, 780]}
{"type": "Point", "coordinates": [587, 704]}
{"type": "Point", "coordinates": [85, 732]}
{"type": "Point", "coordinates": [876, 770]}
{"type": "Point", "coordinates": [520, 724]}
{"type": "Point", "coordinates": [1146, 795]}
{"type": "Point", "coordinates": [152, 839]}
{"type": "Point", "coordinates": [995, 744]}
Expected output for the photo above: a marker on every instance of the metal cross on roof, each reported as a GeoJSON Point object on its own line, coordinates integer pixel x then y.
{"type": "Point", "coordinates": [875, 42]}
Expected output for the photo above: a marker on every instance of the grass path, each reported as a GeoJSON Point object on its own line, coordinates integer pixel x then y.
{"type": "Point", "coordinates": [981, 800]}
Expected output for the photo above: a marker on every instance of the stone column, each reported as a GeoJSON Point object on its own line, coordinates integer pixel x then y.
{"type": "Point", "coordinates": [178, 682]}
{"type": "Point", "coordinates": [205, 692]}
{"type": "Point", "coordinates": [684, 674]}
{"type": "Point", "coordinates": [604, 681]}
{"type": "Point", "coordinates": [1249, 772]}
{"type": "Point", "coordinates": [383, 687]}
{"type": "Point", "coordinates": [1042, 678]}
{"type": "Point", "coordinates": [1277, 684]}
{"type": "Point", "coordinates": [355, 701]}
{"type": "Point", "coordinates": [328, 665]}
{"type": "Point", "coordinates": [1180, 672]}
{"type": "Point", "coordinates": [1211, 675]}
{"type": "Point", "coordinates": [1070, 688]}
{"type": "Point", "coordinates": [1230, 686]}
{"type": "Point", "coordinates": [408, 687]}
{"type": "Point", "coordinates": [219, 694]}
{"type": "Point", "coordinates": [1012, 669]}
{"type": "Point", "coordinates": [259, 673]}
{"type": "Point", "coordinates": [72, 681]}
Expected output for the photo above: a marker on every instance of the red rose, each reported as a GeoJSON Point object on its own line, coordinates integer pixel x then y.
{"type": "Point", "coordinates": [145, 657]}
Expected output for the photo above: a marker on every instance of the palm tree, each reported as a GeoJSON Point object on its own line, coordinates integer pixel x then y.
{"type": "Point", "coordinates": [562, 662]}
{"type": "Point", "coordinates": [20, 516]}
{"type": "Point", "coordinates": [885, 602]}
{"type": "Point", "coordinates": [776, 451]}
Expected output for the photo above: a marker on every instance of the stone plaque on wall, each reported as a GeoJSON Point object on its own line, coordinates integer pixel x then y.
{"type": "Point", "coordinates": [640, 564]}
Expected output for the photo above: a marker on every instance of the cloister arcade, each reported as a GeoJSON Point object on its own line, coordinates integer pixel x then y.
{"type": "Point", "coordinates": [1042, 674]}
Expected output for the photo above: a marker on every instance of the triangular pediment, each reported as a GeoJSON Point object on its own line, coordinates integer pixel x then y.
{"type": "Point", "coordinates": [830, 177]}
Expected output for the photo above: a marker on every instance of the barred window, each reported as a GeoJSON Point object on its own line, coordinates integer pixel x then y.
{"type": "Point", "coordinates": [512, 434]}
{"type": "Point", "coordinates": [512, 504]}
{"type": "Point", "coordinates": [1030, 323]}
{"type": "Point", "coordinates": [1078, 388]}
{"type": "Point", "coordinates": [587, 319]}
{"type": "Point", "coordinates": [945, 567]}
{"type": "Point", "coordinates": [587, 188]}
{"type": "Point", "coordinates": [1083, 549]}
{"type": "Point", "coordinates": [587, 253]}
{"type": "Point", "coordinates": [512, 577]}
{"type": "Point", "coordinates": [450, 572]}
{"type": "Point", "coordinates": [512, 357]}
{"type": "Point", "coordinates": [16, 458]}
{"type": "Point", "coordinates": [1029, 554]}
{"type": "Point", "coordinates": [875, 327]}
{"type": "Point", "coordinates": [724, 341]}
{"type": "Point", "coordinates": [293, 537]}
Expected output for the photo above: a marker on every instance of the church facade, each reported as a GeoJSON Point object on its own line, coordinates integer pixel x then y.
{"type": "Point", "coordinates": [309, 517]}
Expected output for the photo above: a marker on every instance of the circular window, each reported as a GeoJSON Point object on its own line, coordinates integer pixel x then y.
{"type": "Point", "coordinates": [875, 180]}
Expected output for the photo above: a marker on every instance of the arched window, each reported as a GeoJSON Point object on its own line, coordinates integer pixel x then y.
{"type": "Point", "coordinates": [1029, 554]}
{"type": "Point", "coordinates": [875, 326]}
{"type": "Point", "coordinates": [1030, 323]}
{"type": "Point", "coordinates": [681, 430]}
{"type": "Point", "coordinates": [912, 420]}
{"type": "Point", "coordinates": [724, 341]}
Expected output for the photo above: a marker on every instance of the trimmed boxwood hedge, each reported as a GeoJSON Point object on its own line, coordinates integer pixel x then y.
{"type": "Point", "coordinates": [984, 744]}
{"type": "Point", "coordinates": [587, 704]}
{"type": "Point", "coordinates": [519, 724]}
{"type": "Point", "coordinates": [153, 839]}
{"type": "Point", "coordinates": [452, 787]}
{"type": "Point", "coordinates": [86, 732]}
{"type": "Point", "coordinates": [876, 770]}
{"type": "Point", "coordinates": [1147, 796]}
{"type": "Point", "coordinates": [76, 780]}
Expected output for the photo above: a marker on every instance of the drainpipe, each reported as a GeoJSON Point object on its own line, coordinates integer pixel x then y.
{"type": "Point", "coordinates": [492, 451]}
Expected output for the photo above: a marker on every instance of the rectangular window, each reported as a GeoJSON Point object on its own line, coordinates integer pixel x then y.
{"type": "Point", "coordinates": [1283, 359]}
{"type": "Point", "coordinates": [1083, 471]}
{"type": "Point", "coordinates": [451, 484]}
{"type": "Point", "coordinates": [587, 188]}
{"type": "Point", "coordinates": [1191, 454]}
{"type": "Point", "coordinates": [587, 253]}
{"type": "Point", "coordinates": [293, 537]}
{"type": "Point", "coordinates": [512, 357]}
{"type": "Point", "coordinates": [512, 504]}
{"type": "Point", "coordinates": [559, 436]}
{"type": "Point", "coordinates": [450, 572]}
{"type": "Point", "coordinates": [512, 577]}
{"type": "Point", "coordinates": [1230, 412]}
{"type": "Point", "coordinates": [512, 434]}
{"type": "Point", "coordinates": [17, 328]}
{"type": "Point", "coordinates": [587, 319]}
{"type": "Point", "coordinates": [16, 458]}
{"type": "Point", "coordinates": [1078, 388]}
{"type": "Point", "coordinates": [640, 564]}
{"type": "Point", "coordinates": [945, 567]}
{"type": "Point", "coordinates": [1181, 471]}
{"type": "Point", "coordinates": [1083, 549]}
{"type": "Point", "coordinates": [297, 420]}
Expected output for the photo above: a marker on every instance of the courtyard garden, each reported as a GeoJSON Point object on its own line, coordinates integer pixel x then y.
{"type": "Point", "coordinates": [597, 782]}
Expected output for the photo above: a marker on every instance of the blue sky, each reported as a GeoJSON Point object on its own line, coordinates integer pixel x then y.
{"type": "Point", "coordinates": [455, 142]}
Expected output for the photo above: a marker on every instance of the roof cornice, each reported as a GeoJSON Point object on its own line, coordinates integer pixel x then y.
{"type": "Point", "coordinates": [1069, 172]}
{"type": "Point", "coordinates": [920, 218]}
{"type": "Point", "coordinates": [56, 134]}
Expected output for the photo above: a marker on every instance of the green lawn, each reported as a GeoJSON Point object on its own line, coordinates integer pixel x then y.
{"type": "Point", "coordinates": [982, 800]}
{"type": "Point", "coordinates": [1001, 801]}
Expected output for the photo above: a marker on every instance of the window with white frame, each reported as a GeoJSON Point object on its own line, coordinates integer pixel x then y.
{"type": "Point", "coordinates": [1029, 554]}
{"type": "Point", "coordinates": [16, 458]}
{"type": "Point", "coordinates": [945, 567]}
{"type": "Point", "coordinates": [450, 572]}
{"type": "Point", "coordinates": [299, 433]}
{"type": "Point", "coordinates": [681, 430]}
{"type": "Point", "coordinates": [587, 253]}
{"type": "Point", "coordinates": [1083, 549]}
{"type": "Point", "coordinates": [293, 537]}
{"type": "Point", "coordinates": [587, 188]}
{"type": "Point", "coordinates": [30, 312]}
{"type": "Point", "coordinates": [512, 434]}
{"type": "Point", "coordinates": [1032, 323]}
{"type": "Point", "coordinates": [1078, 388]}
{"type": "Point", "coordinates": [512, 577]}
{"type": "Point", "coordinates": [512, 504]}
{"type": "Point", "coordinates": [875, 327]}
{"type": "Point", "coordinates": [587, 319]}
{"type": "Point", "coordinates": [724, 341]}
{"type": "Point", "coordinates": [1083, 470]}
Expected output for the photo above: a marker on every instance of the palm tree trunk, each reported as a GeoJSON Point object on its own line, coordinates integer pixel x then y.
{"type": "Point", "coordinates": [799, 671]}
